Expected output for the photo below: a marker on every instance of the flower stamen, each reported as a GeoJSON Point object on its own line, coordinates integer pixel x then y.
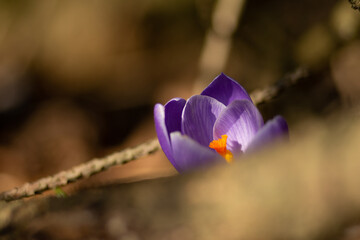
{"type": "Point", "coordinates": [219, 146]}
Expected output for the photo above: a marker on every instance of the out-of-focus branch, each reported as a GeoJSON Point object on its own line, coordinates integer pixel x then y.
{"type": "Point", "coordinates": [355, 4]}
{"type": "Point", "coordinates": [266, 94]}
{"type": "Point", "coordinates": [215, 52]}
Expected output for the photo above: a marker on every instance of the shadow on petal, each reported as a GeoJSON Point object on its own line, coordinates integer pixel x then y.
{"type": "Point", "coordinates": [173, 112]}
{"type": "Point", "coordinates": [189, 154]}
{"type": "Point", "coordinates": [162, 132]}
{"type": "Point", "coordinates": [273, 130]}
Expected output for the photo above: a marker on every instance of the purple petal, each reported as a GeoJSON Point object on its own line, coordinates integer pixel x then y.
{"type": "Point", "coordinates": [162, 132]}
{"type": "Point", "coordinates": [189, 154]}
{"type": "Point", "coordinates": [225, 90]}
{"type": "Point", "coordinates": [199, 116]}
{"type": "Point", "coordinates": [240, 121]}
{"type": "Point", "coordinates": [272, 131]}
{"type": "Point", "coordinates": [173, 111]}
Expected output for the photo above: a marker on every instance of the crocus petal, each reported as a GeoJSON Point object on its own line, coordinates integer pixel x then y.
{"type": "Point", "coordinates": [162, 132]}
{"type": "Point", "coordinates": [199, 116]}
{"type": "Point", "coordinates": [272, 130]}
{"type": "Point", "coordinates": [225, 90]}
{"type": "Point", "coordinates": [189, 154]}
{"type": "Point", "coordinates": [240, 121]}
{"type": "Point", "coordinates": [173, 111]}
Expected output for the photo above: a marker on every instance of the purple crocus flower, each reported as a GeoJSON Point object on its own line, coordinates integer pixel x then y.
{"type": "Point", "coordinates": [221, 121]}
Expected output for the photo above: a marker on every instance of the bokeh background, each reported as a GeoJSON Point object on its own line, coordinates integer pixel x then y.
{"type": "Point", "coordinates": [79, 79]}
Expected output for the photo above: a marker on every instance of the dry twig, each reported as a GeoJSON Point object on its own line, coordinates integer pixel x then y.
{"type": "Point", "coordinates": [266, 94]}
{"type": "Point", "coordinates": [100, 164]}
{"type": "Point", "coordinates": [81, 171]}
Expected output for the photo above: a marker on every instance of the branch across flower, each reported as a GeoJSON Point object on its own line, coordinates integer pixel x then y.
{"type": "Point", "coordinates": [221, 121]}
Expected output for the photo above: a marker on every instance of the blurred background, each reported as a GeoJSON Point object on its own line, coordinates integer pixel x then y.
{"type": "Point", "coordinates": [79, 79]}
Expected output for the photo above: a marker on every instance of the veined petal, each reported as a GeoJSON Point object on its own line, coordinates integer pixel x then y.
{"type": "Point", "coordinates": [272, 131]}
{"type": "Point", "coordinates": [199, 116]}
{"type": "Point", "coordinates": [173, 111]}
{"type": "Point", "coordinates": [240, 121]}
{"type": "Point", "coordinates": [189, 154]}
{"type": "Point", "coordinates": [225, 90]}
{"type": "Point", "coordinates": [162, 132]}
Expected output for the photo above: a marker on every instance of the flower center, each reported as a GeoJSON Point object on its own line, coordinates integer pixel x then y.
{"type": "Point", "coordinates": [220, 147]}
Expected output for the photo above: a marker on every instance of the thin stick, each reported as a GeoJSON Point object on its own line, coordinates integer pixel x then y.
{"type": "Point", "coordinates": [84, 170]}
{"type": "Point", "coordinates": [94, 166]}
{"type": "Point", "coordinates": [266, 94]}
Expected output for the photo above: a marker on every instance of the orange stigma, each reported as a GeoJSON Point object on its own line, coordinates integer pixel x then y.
{"type": "Point", "coordinates": [220, 147]}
